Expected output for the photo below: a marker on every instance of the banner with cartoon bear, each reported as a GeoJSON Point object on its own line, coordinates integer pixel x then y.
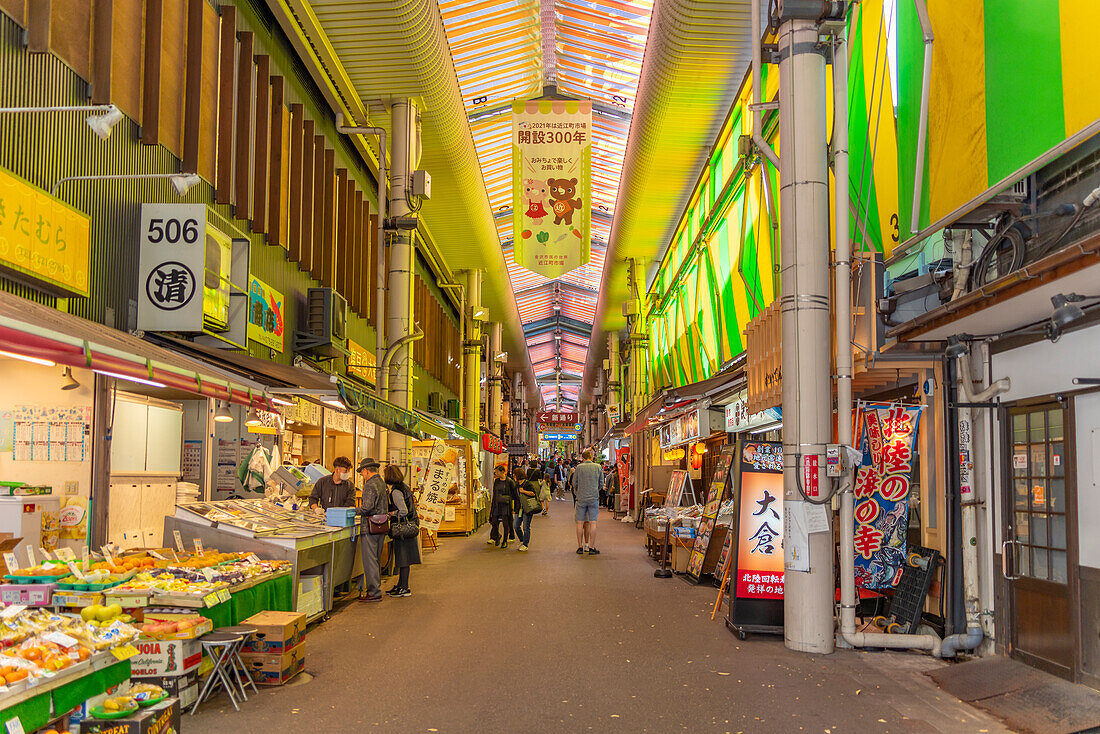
{"type": "Point", "coordinates": [551, 185]}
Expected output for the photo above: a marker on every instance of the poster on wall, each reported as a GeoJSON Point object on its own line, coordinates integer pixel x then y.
{"type": "Point", "coordinates": [756, 588]}
{"type": "Point", "coordinates": [43, 433]}
{"type": "Point", "coordinates": [551, 185]}
{"type": "Point", "coordinates": [887, 438]}
{"type": "Point", "coordinates": [716, 493]}
{"type": "Point", "coordinates": [439, 476]}
{"type": "Point", "coordinates": [266, 311]}
{"type": "Point", "coordinates": [622, 463]}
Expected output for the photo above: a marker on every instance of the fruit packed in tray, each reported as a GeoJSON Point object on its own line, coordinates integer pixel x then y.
{"type": "Point", "coordinates": [234, 572]}
{"type": "Point", "coordinates": [164, 582]}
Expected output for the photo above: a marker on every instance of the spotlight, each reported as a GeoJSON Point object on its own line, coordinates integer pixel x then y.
{"type": "Point", "coordinates": [222, 414]}
{"type": "Point", "coordinates": [671, 399]}
{"type": "Point", "coordinates": [253, 418]}
{"type": "Point", "coordinates": [955, 347]}
{"type": "Point", "coordinates": [68, 382]}
{"type": "Point", "coordinates": [101, 124]}
{"type": "Point", "coordinates": [183, 182]}
{"type": "Point", "coordinates": [1065, 312]}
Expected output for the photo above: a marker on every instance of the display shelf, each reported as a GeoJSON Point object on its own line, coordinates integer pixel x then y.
{"type": "Point", "coordinates": [99, 661]}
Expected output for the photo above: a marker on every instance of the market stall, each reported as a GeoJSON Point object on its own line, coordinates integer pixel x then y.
{"type": "Point", "coordinates": [464, 496]}
{"type": "Point", "coordinates": [321, 556]}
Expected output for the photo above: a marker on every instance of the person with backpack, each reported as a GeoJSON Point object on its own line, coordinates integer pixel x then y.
{"type": "Point", "coordinates": [505, 499]}
{"type": "Point", "coordinates": [528, 505]}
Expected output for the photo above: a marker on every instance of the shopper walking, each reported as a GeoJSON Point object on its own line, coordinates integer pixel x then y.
{"type": "Point", "coordinates": [529, 505]}
{"type": "Point", "coordinates": [587, 480]}
{"type": "Point", "coordinates": [406, 551]}
{"type": "Point", "coordinates": [544, 489]}
{"type": "Point", "coordinates": [505, 499]}
{"type": "Point", "coordinates": [375, 502]}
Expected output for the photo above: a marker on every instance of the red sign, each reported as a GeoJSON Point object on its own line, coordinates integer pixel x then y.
{"type": "Point", "coordinates": [556, 417]}
{"type": "Point", "coordinates": [492, 444]}
{"type": "Point", "coordinates": [810, 482]}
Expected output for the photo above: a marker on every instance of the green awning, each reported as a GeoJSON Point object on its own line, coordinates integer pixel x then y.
{"type": "Point", "coordinates": [380, 412]}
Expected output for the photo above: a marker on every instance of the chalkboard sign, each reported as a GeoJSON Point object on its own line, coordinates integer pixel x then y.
{"type": "Point", "coordinates": [715, 495]}
{"type": "Point", "coordinates": [756, 577]}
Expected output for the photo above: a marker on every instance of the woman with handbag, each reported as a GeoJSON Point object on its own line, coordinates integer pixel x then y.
{"type": "Point", "coordinates": [529, 506]}
{"type": "Point", "coordinates": [500, 515]}
{"type": "Point", "coordinates": [404, 528]}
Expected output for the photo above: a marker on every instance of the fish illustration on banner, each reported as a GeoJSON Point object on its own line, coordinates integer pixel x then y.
{"type": "Point", "coordinates": [551, 185]}
{"type": "Point", "coordinates": [887, 438]}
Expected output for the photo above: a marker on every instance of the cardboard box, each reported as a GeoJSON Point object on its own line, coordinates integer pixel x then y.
{"type": "Point", "coordinates": [680, 558]}
{"type": "Point", "coordinates": [273, 669]}
{"type": "Point", "coordinates": [161, 718]}
{"type": "Point", "coordinates": [63, 598]}
{"type": "Point", "coordinates": [163, 658]}
{"type": "Point", "coordinates": [276, 632]}
{"type": "Point", "coordinates": [8, 543]}
{"type": "Point", "coordinates": [184, 687]}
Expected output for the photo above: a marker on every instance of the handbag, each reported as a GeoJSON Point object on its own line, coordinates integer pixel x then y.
{"type": "Point", "coordinates": [378, 524]}
{"type": "Point", "coordinates": [405, 527]}
{"type": "Point", "coordinates": [529, 504]}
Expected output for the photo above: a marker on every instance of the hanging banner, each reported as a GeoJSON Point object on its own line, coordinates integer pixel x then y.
{"type": "Point", "coordinates": [551, 185]}
{"type": "Point", "coordinates": [887, 437]}
{"type": "Point", "coordinates": [622, 462]}
{"type": "Point", "coordinates": [439, 476]}
{"type": "Point", "coordinates": [266, 314]}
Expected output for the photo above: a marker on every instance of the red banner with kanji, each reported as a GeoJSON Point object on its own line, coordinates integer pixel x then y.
{"type": "Point", "coordinates": [887, 438]}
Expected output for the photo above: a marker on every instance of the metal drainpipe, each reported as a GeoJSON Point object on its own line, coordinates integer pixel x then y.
{"type": "Point", "coordinates": [385, 368]}
{"type": "Point", "coordinates": [614, 375]}
{"type": "Point", "coordinates": [471, 354]}
{"type": "Point", "coordinates": [970, 501]}
{"type": "Point", "coordinates": [757, 92]}
{"type": "Point", "coordinates": [492, 408]}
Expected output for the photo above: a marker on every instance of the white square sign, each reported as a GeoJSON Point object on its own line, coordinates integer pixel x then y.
{"type": "Point", "coordinates": [171, 272]}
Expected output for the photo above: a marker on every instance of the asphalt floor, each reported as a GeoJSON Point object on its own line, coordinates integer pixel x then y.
{"type": "Point", "coordinates": [506, 641]}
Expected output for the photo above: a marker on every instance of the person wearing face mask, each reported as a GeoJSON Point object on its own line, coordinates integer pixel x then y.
{"type": "Point", "coordinates": [335, 490]}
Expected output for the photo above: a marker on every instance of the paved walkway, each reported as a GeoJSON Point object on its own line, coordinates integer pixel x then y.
{"type": "Point", "coordinates": [503, 641]}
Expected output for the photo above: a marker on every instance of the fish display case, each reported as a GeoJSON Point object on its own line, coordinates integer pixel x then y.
{"type": "Point", "coordinates": [269, 530]}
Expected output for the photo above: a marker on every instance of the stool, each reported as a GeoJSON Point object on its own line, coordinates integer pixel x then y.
{"type": "Point", "coordinates": [236, 665]}
{"type": "Point", "coordinates": [219, 646]}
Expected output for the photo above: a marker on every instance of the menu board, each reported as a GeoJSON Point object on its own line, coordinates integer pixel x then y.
{"type": "Point", "coordinates": [715, 494]}
{"type": "Point", "coordinates": [676, 488]}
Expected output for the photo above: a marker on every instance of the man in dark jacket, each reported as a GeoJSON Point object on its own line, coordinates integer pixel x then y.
{"type": "Point", "coordinates": [376, 501]}
{"type": "Point", "coordinates": [505, 499]}
{"type": "Point", "coordinates": [334, 490]}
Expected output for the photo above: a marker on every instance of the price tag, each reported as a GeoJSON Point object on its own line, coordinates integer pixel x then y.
{"type": "Point", "coordinates": [65, 554]}
{"type": "Point", "coordinates": [62, 639]}
{"type": "Point", "coordinates": [13, 565]}
{"type": "Point", "coordinates": [179, 540]}
{"type": "Point", "coordinates": [208, 573]}
{"type": "Point", "coordinates": [212, 599]}
{"type": "Point", "coordinates": [224, 594]}
{"type": "Point", "coordinates": [74, 570]}
{"type": "Point", "coordinates": [124, 652]}
{"type": "Point", "coordinates": [107, 555]}
{"type": "Point", "coordinates": [14, 726]}
{"type": "Point", "coordinates": [12, 611]}
{"type": "Point", "coordinates": [84, 557]}
{"type": "Point", "coordinates": [30, 555]}
{"type": "Point", "coordinates": [45, 553]}
{"type": "Point", "coordinates": [252, 558]}
{"type": "Point", "coordinates": [198, 546]}
{"type": "Point", "coordinates": [156, 555]}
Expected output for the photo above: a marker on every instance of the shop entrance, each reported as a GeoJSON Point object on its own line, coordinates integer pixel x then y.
{"type": "Point", "coordinates": [1037, 530]}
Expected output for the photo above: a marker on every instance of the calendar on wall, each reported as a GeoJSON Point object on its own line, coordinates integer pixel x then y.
{"type": "Point", "coordinates": [50, 433]}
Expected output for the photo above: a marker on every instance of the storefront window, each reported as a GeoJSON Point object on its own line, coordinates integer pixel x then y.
{"type": "Point", "coordinates": [1039, 492]}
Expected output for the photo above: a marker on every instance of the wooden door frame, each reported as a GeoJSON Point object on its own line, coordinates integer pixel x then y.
{"type": "Point", "coordinates": [1008, 509]}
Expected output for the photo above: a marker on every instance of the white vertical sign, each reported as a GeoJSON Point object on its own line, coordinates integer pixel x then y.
{"type": "Point", "coordinates": [171, 271]}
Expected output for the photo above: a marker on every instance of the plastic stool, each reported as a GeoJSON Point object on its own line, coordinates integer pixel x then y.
{"type": "Point", "coordinates": [236, 665]}
{"type": "Point", "coordinates": [219, 646]}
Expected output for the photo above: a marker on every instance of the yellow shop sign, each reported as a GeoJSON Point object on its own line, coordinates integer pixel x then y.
{"type": "Point", "coordinates": [42, 237]}
{"type": "Point", "coordinates": [361, 361]}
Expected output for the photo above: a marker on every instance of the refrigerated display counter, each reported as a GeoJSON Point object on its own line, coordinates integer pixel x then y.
{"type": "Point", "coordinates": [262, 527]}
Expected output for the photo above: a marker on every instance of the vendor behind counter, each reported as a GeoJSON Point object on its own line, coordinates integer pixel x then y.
{"type": "Point", "coordinates": [334, 490]}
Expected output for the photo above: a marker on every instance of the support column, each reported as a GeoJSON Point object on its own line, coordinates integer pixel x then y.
{"type": "Point", "coordinates": [492, 408]}
{"type": "Point", "coordinates": [471, 351]}
{"type": "Point", "coordinates": [399, 303]}
{"type": "Point", "coordinates": [615, 375]}
{"type": "Point", "coordinates": [807, 390]}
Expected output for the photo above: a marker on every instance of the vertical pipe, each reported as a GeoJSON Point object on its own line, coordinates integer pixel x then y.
{"type": "Point", "coordinates": [400, 301]}
{"type": "Point", "coordinates": [492, 408]}
{"type": "Point", "coordinates": [757, 92]}
{"type": "Point", "coordinates": [807, 389]}
{"type": "Point", "coordinates": [615, 375]}
{"type": "Point", "coordinates": [471, 350]}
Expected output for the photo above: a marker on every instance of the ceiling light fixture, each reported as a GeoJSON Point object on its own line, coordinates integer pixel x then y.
{"type": "Point", "coordinates": [253, 418]}
{"type": "Point", "coordinates": [222, 414]}
{"type": "Point", "coordinates": [131, 378]}
{"type": "Point", "coordinates": [68, 382]}
{"type": "Point", "coordinates": [101, 124]}
{"type": "Point", "coordinates": [184, 182]}
{"type": "Point", "coordinates": [27, 358]}
{"type": "Point", "coordinates": [281, 401]}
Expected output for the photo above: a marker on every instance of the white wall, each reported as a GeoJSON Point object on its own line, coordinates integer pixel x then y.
{"type": "Point", "coordinates": [1087, 408]}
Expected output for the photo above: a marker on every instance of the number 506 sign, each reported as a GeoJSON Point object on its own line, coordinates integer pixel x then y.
{"type": "Point", "coordinates": [170, 278]}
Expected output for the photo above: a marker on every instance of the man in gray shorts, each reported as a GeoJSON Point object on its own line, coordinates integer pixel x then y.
{"type": "Point", "coordinates": [587, 479]}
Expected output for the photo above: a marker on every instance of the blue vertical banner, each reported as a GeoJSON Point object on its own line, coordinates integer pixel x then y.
{"type": "Point", "coordinates": [887, 439]}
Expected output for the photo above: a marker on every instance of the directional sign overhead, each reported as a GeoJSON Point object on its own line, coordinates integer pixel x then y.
{"type": "Point", "coordinates": [560, 436]}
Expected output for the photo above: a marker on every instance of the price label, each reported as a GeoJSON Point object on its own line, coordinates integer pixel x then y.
{"type": "Point", "coordinates": [84, 557]}
{"type": "Point", "coordinates": [156, 555]}
{"type": "Point", "coordinates": [45, 553]}
{"type": "Point", "coordinates": [212, 599]}
{"type": "Point", "coordinates": [224, 594]}
{"type": "Point", "coordinates": [65, 554]}
{"type": "Point", "coordinates": [61, 639]}
{"type": "Point", "coordinates": [30, 555]}
{"type": "Point", "coordinates": [198, 546]}
{"type": "Point", "coordinates": [124, 652]}
{"type": "Point", "coordinates": [14, 726]}
{"type": "Point", "coordinates": [74, 570]}
{"type": "Point", "coordinates": [179, 540]}
{"type": "Point", "coordinates": [252, 558]}
{"type": "Point", "coordinates": [107, 555]}
{"type": "Point", "coordinates": [12, 611]}
{"type": "Point", "coordinates": [208, 573]}
{"type": "Point", "coordinates": [9, 559]}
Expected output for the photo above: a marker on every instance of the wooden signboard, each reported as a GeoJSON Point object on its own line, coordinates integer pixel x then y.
{"type": "Point", "coordinates": [697, 566]}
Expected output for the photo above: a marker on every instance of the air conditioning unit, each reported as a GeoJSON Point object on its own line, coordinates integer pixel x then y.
{"type": "Point", "coordinates": [435, 403]}
{"type": "Point", "coordinates": [325, 334]}
{"type": "Point", "coordinates": [453, 410]}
